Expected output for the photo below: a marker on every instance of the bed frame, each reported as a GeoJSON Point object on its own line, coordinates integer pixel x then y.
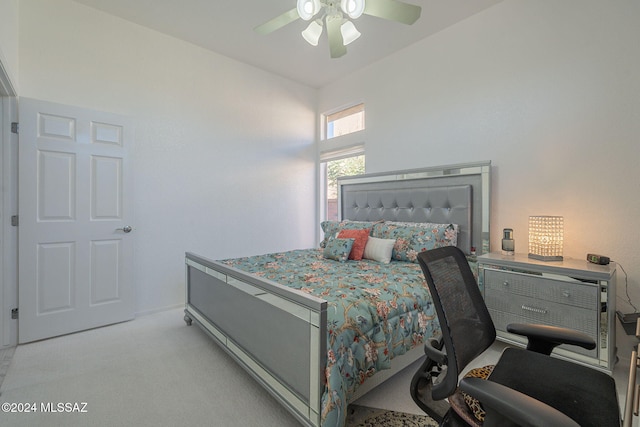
{"type": "Point", "coordinates": [240, 311]}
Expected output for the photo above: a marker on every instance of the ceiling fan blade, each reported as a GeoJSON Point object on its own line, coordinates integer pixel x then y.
{"type": "Point", "coordinates": [336, 43]}
{"type": "Point", "coordinates": [277, 22]}
{"type": "Point", "coordinates": [393, 10]}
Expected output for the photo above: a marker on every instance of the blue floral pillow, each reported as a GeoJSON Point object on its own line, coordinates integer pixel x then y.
{"type": "Point", "coordinates": [332, 228]}
{"type": "Point", "coordinates": [338, 249]}
{"type": "Point", "coordinates": [413, 238]}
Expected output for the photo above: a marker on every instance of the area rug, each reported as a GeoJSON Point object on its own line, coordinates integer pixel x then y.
{"type": "Point", "coordinates": [362, 416]}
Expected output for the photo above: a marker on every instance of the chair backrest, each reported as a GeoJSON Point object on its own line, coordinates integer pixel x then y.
{"type": "Point", "coordinates": [467, 328]}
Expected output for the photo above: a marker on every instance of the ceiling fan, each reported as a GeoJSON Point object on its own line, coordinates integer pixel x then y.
{"type": "Point", "coordinates": [335, 13]}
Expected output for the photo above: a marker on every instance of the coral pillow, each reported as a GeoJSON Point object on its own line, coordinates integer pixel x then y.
{"type": "Point", "coordinates": [361, 237]}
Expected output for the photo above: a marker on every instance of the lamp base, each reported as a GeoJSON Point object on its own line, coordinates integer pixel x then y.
{"type": "Point", "coordinates": [546, 258]}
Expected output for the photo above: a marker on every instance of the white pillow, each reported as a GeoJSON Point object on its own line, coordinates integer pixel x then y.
{"type": "Point", "coordinates": [379, 249]}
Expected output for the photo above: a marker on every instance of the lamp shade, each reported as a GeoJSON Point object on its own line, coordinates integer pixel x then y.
{"type": "Point", "coordinates": [308, 8]}
{"type": "Point", "coordinates": [546, 237]}
{"type": "Point", "coordinates": [312, 33]}
{"type": "Point", "coordinates": [353, 8]}
{"type": "Point", "coordinates": [349, 32]}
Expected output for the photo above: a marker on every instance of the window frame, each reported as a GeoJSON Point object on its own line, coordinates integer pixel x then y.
{"type": "Point", "coordinates": [324, 182]}
{"type": "Point", "coordinates": [342, 113]}
{"type": "Point", "coordinates": [337, 148]}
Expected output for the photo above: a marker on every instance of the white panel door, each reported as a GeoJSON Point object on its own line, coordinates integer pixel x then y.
{"type": "Point", "coordinates": [75, 233]}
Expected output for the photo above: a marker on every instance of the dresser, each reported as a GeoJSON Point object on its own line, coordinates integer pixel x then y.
{"type": "Point", "coordinates": [572, 293]}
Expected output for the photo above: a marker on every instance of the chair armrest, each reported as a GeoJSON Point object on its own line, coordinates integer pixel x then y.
{"type": "Point", "coordinates": [544, 338]}
{"type": "Point", "coordinates": [433, 350]}
{"type": "Point", "coordinates": [518, 407]}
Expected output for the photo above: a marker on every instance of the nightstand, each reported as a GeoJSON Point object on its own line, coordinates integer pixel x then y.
{"type": "Point", "coordinates": [571, 293]}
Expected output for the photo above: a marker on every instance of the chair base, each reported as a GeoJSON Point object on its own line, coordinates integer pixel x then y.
{"type": "Point", "coordinates": [421, 385]}
{"type": "Point", "coordinates": [452, 419]}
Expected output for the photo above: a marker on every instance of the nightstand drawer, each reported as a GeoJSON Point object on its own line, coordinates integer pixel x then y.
{"type": "Point", "coordinates": [501, 320]}
{"type": "Point", "coordinates": [508, 308]}
{"type": "Point", "coordinates": [572, 293]}
{"type": "Point", "coordinates": [543, 288]}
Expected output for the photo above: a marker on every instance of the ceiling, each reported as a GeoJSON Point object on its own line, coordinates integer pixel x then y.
{"type": "Point", "coordinates": [226, 27]}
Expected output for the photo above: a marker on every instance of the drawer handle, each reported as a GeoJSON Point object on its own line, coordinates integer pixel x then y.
{"type": "Point", "coordinates": [566, 294]}
{"type": "Point", "coordinates": [505, 283]}
{"type": "Point", "coordinates": [534, 309]}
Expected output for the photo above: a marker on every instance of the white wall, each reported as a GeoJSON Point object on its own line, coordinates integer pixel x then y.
{"type": "Point", "coordinates": [548, 91]}
{"type": "Point", "coordinates": [8, 87]}
{"type": "Point", "coordinates": [8, 233]}
{"type": "Point", "coordinates": [224, 156]}
{"type": "Point", "coordinates": [9, 40]}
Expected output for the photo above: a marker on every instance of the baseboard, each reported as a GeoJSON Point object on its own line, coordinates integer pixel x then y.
{"type": "Point", "coordinates": [158, 310]}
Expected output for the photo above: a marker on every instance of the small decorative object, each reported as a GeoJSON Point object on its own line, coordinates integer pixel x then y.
{"type": "Point", "coordinates": [546, 235]}
{"type": "Point", "coordinates": [508, 244]}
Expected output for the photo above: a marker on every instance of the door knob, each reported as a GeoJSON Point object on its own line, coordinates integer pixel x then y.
{"type": "Point", "coordinates": [126, 229]}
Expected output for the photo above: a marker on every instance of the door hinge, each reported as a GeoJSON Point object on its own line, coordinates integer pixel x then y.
{"type": "Point", "coordinates": [14, 313]}
{"type": "Point", "coordinates": [14, 220]}
{"type": "Point", "coordinates": [15, 127]}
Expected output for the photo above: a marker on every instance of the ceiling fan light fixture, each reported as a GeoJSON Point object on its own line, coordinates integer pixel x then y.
{"type": "Point", "coordinates": [312, 33]}
{"type": "Point", "coordinates": [338, 17]}
{"type": "Point", "coordinates": [307, 9]}
{"type": "Point", "coordinates": [353, 8]}
{"type": "Point", "coordinates": [349, 32]}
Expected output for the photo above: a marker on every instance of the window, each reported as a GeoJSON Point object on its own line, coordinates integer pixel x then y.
{"type": "Point", "coordinates": [344, 121]}
{"type": "Point", "coordinates": [342, 156]}
{"type": "Point", "coordinates": [334, 170]}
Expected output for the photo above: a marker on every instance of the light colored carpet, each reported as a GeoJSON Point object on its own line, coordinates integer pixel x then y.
{"type": "Point", "coordinates": [153, 371]}
{"type": "Point", "coordinates": [156, 371]}
{"type": "Point", "coordinates": [5, 359]}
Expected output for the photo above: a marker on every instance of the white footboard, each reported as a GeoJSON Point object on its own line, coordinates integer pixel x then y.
{"type": "Point", "coordinates": [276, 333]}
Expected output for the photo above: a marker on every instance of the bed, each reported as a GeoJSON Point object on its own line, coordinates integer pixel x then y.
{"type": "Point", "coordinates": [318, 333]}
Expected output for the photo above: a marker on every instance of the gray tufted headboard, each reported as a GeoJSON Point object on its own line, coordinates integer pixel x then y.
{"type": "Point", "coordinates": [457, 194]}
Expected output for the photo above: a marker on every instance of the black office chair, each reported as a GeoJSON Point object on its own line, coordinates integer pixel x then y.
{"type": "Point", "coordinates": [526, 387]}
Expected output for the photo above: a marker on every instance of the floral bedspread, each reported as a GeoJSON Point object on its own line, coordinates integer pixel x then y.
{"type": "Point", "coordinates": [375, 312]}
